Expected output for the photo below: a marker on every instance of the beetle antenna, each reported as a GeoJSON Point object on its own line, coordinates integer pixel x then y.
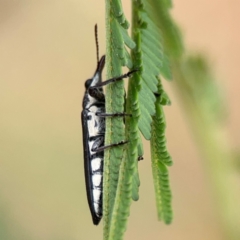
{"type": "Point", "coordinates": [96, 40]}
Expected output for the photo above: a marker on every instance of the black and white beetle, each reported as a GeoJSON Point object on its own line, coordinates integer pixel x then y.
{"type": "Point", "coordinates": [93, 129]}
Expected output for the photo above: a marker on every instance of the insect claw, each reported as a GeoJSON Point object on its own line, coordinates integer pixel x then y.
{"type": "Point", "coordinates": [100, 114]}
{"type": "Point", "coordinates": [157, 94]}
{"type": "Point", "coordinates": [131, 72]}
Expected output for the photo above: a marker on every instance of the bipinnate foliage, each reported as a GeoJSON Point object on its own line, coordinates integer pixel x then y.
{"type": "Point", "coordinates": [145, 101]}
{"type": "Point", "coordinates": [118, 170]}
{"type": "Point", "coordinates": [199, 88]}
{"type": "Point", "coordinates": [149, 54]}
{"type": "Point", "coordinates": [160, 160]}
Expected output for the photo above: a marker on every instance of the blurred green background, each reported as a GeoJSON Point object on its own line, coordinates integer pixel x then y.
{"type": "Point", "coordinates": [47, 51]}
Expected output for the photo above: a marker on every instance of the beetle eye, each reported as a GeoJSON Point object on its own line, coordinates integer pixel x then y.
{"type": "Point", "coordinates": [88, 83]}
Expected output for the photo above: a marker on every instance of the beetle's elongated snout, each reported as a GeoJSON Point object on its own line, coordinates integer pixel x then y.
{"type": "Point", "coordinates": [101, 64]}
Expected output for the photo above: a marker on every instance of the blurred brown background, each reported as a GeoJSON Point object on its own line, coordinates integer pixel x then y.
{"type": "Point", "coordinates": [47, 51]}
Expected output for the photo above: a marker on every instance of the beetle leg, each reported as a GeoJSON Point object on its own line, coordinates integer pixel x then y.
{"type": "Point", "coordinates": [98, 148]}
{"type": "Point", "coordinates": [115, 79]}
{"type": "Point", "coordinates": [99, 114]}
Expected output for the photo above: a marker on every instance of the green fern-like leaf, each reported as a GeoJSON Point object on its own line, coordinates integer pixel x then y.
{"type": "Point", "coordinates": [160, 160]}
{"type": "Point", "coordinates": [152, 60]}
{"type": "Point", "coordinates": [118, 169]}
{"type": "Point", "coordinates": [128, 182]}
{"type": "Point", "coordinates": [150, 55]}
{"type": "Point", "coordinates": [144, 99]}
{"type": "Point", "coordinates": [171, 35]}
{"type": "Point", "coordinates": [136, 184]}
{"type": "Point", "coordinates": [198, 85]}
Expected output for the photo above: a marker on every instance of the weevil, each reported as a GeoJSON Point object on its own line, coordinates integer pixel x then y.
{"type": "Point", "coordinates": [93, 129]}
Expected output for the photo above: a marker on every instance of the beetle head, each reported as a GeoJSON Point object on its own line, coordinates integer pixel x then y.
{"type": "Point", "coordinates": [97, 77]}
